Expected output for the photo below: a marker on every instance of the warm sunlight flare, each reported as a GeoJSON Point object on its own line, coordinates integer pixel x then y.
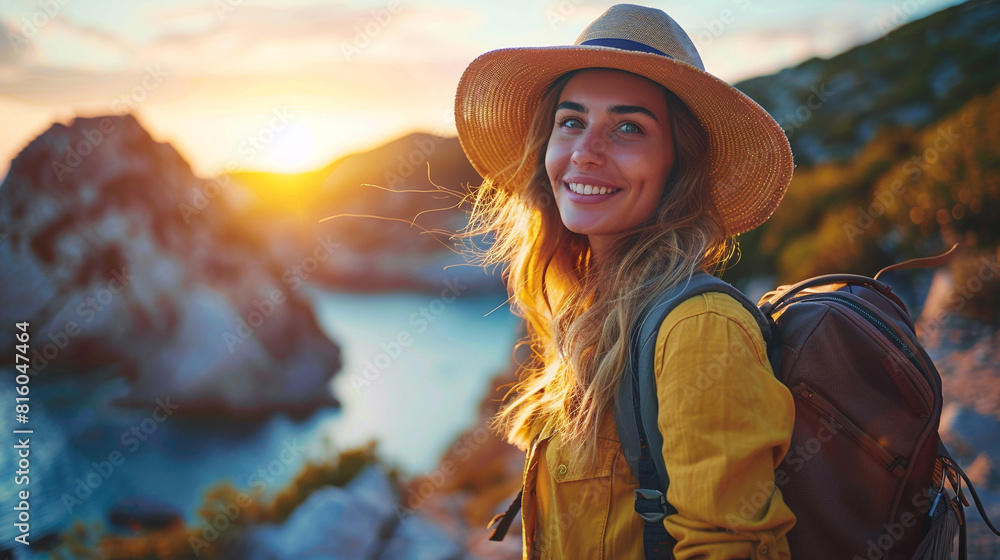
{"type": "Point", "coordinates": [293, 150]}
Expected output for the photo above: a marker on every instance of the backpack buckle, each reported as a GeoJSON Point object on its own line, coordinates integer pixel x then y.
{"type": "Point", "coordinates": [651, 505]}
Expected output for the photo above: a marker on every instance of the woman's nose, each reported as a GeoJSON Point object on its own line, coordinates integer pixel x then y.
{"type": "Point", "coordinates": [590, 149]}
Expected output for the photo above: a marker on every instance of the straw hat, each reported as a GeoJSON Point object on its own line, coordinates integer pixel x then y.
{"type": "Point", "coordinates": [749, 157]}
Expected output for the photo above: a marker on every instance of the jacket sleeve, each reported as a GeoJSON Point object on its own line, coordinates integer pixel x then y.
{"type": "Point", "coordinates": [726, 423]}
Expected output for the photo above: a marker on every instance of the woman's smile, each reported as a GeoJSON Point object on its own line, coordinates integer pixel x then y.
{"type": "Point", "coordinates": [589, 191]}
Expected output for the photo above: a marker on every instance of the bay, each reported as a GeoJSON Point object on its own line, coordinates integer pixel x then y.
{"type": "Point", "coordinates": [415, 369]}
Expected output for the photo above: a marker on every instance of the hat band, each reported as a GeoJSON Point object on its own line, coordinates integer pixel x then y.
{"type": "Point", "coordinates": [624, 44]}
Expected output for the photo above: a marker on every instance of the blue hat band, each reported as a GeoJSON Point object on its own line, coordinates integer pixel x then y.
{"type": "Point", "coordinates": [625, 45]}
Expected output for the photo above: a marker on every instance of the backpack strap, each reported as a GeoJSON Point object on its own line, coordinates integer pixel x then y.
{"type": "Point", "coordinates": [503, 520]}
{"type": "Point", "coordinates": [960, 497]}
{"type": "Point", "coordinates": [636, 409]}
{"type": "Point", "coordinates": [920, 263]}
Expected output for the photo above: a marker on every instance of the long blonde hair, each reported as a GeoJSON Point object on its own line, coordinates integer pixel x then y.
{"type": "Point", "coordinates": [578, 312]}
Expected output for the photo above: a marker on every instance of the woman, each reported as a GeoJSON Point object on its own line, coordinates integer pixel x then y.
{"type": "Point", "coordinates": [614, 169]}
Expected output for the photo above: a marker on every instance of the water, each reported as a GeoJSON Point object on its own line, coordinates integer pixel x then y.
{"type": "Point", "coordinates": [415, 370]}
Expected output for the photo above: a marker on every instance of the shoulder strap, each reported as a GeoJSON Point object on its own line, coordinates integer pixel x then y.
{"type": "Point", "coordinates": [637, 407]}
{"type": "Point", "coordinates": [503, 520]}
{"type": "Point", "coordinates": [642, 368]}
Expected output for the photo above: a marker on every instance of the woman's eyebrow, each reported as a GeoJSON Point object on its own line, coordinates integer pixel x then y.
{"type": "Point", "coordinates": [626, 109]}
{"type": "Point", "coordinates": [572, 106]}
{"type": "Point", "coordinates": [614, 109]}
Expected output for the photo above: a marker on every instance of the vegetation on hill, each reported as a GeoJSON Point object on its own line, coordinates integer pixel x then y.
{"type": "Point", "coordinates": [897, 146]}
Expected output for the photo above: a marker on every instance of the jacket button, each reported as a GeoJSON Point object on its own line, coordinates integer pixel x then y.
{"type": "Point", "coordinates": [562, 469]}
{"type": "Point", "coordinates": [762, 550]}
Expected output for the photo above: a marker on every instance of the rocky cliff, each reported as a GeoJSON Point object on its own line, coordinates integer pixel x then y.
{"type": "Point", "coordinates": [100, 259]}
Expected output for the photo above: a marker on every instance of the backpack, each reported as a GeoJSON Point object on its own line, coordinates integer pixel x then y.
{"type": "Point", "coordinates": [866, 471]}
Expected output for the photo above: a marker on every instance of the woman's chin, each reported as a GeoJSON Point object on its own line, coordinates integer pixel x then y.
{"type": "Point", "coordinates": [584, 229]}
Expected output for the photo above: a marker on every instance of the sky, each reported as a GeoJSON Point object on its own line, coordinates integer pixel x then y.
{"type": "Point", "coordinates": [292, 85]}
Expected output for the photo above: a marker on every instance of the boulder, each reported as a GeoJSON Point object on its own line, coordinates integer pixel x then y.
{"type": "Point", "coordinates": [359, 521]}
{"type": "Point", "coordinates": [117, 255]}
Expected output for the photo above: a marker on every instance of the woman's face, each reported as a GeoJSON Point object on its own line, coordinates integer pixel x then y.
{"type": "Point", "coordinates": [609, 154]}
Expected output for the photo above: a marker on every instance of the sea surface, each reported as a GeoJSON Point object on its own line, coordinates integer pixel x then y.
{"type": "Point", "coordinates": [415, 370]}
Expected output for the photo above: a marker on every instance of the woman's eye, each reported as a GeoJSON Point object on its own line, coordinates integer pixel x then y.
{"type": "Point", "coordinates": [571, 122]}
{"type": "Point", "coordinates": [630, 128]}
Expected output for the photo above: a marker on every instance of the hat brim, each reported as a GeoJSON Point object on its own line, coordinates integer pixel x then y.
{"type": "Point", "coordinates": [750, 161]}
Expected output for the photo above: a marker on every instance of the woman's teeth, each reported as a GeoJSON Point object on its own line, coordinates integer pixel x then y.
{"type": "Point", "coordinates": [581, 188]}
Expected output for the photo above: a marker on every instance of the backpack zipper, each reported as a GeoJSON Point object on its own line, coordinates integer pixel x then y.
{"type": "Point", "coordinates": [899, 343]}
{"type": "Point", "coordinates": [841, 423]}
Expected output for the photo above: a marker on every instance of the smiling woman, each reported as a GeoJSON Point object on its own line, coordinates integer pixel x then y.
{"type": "Point", "coordinates": [616, 171]}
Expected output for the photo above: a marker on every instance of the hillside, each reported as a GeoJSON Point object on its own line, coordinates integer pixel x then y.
{"type": "Point", "coordinates": [391, 209]}
{"type": "Point", "coordinates": [915, 75]}
{"type": "Point", "coordinates": [901, 158]}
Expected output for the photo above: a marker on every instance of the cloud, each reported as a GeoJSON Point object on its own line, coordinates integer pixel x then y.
{"type": "Point", "coordinates": [13, 45]}
{"type": "Point", "coordinates": [58, 47]}
{"type": "Point", "coordinates": [264, 38]}
{"type": "Point", "coordinates": [249, 51]}
{"type": "Point", "coordinates": [261, 55]}
{"type": "Point", "coordinates": [259, 40]}
{"type": "Point", "coordinates": [745, 52]}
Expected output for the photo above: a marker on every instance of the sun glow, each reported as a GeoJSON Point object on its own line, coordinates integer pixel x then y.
{"type": "Point", "coordinates": [293, 150]}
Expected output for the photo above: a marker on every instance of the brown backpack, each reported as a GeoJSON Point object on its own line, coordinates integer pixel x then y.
{"type": "Point", "coordinates": [866, 472]}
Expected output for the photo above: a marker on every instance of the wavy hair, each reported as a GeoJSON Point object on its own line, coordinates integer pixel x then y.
{"type": "Point", "coordinates": [578, 312]}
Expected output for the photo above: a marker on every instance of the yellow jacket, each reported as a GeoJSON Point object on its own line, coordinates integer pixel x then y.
{"type": "Point", "coordinates": [726, 424]}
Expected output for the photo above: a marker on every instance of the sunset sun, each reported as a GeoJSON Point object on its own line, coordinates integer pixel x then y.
{"type": "Point", "coordinates": [293, 149]}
